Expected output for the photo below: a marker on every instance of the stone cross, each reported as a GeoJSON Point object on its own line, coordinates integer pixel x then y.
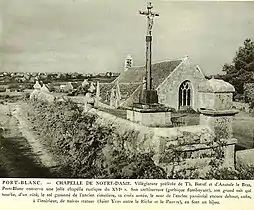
{"type": "Point", "coordinates": [150, 16]}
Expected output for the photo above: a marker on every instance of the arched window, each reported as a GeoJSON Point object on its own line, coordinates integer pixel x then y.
{"type": "Point", "coordinates": [185, 94]}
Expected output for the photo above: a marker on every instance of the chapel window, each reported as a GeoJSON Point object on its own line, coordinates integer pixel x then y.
{"type": "Point", "coordinates": [185, 94]}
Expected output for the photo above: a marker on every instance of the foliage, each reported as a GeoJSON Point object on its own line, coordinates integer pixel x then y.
{"type": "Point", "coordinates": [242, 173]}
{"type": "Point", "coordinates": [13, 98]}
{"type": "Point", "coordinates": [242, 68]}
{"type": "Point", "coordinates": [87, 147]}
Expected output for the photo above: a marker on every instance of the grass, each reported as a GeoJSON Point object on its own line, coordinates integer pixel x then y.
{"type": "Point", "coordinates": [243, 130]}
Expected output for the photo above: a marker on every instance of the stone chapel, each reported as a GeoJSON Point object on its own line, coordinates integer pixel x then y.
{"type": "Point", "coordinates": [176, 82]}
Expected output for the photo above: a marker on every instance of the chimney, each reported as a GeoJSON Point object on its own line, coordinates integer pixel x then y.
{"type": "Point", "coordinates": [128, 62]}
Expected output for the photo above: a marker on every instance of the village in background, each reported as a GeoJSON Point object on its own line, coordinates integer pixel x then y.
{"type": "Point", "coordinates": [22, 81]}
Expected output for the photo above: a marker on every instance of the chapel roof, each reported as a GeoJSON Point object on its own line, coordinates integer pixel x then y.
{"type": "Point", "coordinates": [105, 90]}
{"type": "Point", "coordinates": [126, 89]}
{"type": "Point", "coordinates": [160, 71]}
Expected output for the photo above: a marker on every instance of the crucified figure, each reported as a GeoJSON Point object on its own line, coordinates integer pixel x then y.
{"type": "Point", "coordinates": [150, 16]}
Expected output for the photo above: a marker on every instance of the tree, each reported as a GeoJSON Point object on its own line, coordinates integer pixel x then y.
{"type": "Point", "coordinates": [242, 68]}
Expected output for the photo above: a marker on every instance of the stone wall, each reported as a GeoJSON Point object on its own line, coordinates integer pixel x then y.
{"type": "Point", "coordinates": [168, 91]}
{"type": "Point", "coordinates": [174, 149]}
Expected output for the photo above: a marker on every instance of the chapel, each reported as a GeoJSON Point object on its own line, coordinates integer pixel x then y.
{"type": "Point", "coordinates": [176, 82]}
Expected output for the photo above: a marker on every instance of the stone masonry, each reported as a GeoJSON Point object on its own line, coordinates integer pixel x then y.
{"type": "Point", "coordinates": [217, 113]}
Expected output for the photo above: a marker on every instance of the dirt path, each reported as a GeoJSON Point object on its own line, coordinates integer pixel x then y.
{"type": "Point", "coordinates": [21, 154]}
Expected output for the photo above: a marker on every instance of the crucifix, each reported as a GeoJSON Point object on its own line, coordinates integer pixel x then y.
{"type": "Point", "coordinates": [150, 94]}
{"type": "Point", "coordinates": [150, 16]}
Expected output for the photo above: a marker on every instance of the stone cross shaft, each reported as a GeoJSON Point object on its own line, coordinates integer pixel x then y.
{"type": "Point", "coordinates": [150, 16]}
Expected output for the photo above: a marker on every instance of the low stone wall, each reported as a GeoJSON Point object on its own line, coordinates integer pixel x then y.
{"type": "Point", "coordinates": [144, 138]}
{"type": "Point", "coordinates": [183, 148]}
{"type": "Point", "coordinates": [193, 147]}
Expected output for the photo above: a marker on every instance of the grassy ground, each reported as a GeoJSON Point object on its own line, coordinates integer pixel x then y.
{"type": "Point", "coordinates": [116, 112]}
{"type": "Point", "coordinates": [243, 130]}
{"type": "Point", "coordinates": [17, 157]}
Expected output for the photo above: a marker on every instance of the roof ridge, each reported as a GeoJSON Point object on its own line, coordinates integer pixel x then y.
{"type": "Point", "coordinates": [161, 61]}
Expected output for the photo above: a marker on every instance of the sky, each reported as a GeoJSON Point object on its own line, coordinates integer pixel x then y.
{"type": "Point", "coordinates": [96, 35]}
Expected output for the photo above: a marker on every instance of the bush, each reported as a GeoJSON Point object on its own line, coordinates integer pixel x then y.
{"type": "Point", "coordinates": [87, 148]}
{"type": "Point", "coordinates": [242, 173]}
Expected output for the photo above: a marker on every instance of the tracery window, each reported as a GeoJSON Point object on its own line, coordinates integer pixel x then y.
{"type": "Point", "coordinates": [185, 94]}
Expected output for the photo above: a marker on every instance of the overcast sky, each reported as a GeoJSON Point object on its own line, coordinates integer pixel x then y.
{"type": "Point", "coordinates": [96, 35]}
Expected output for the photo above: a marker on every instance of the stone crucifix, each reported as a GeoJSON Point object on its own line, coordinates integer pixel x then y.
{"type": "Point", "coordinates": [150, 16]}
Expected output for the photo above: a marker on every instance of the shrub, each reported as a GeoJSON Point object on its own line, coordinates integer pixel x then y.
{"type": "Point", "coordinates": [86, 147]}
{"type": "Point", "coordinates": [242, 173]}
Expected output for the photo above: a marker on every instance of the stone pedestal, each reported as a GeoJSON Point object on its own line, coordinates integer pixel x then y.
{"type": "Point", "coordinates": [215, 98]}
{"type": "Point", "coordinates": [148, 97]}
{"type": "Point", "coordinates": [154, 117]}
{"type": "Point", "coordinates": [220, 122]}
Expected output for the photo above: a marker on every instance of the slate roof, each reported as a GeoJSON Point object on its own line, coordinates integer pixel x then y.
{"type": "Point", "coordinates": [105, 91]}
{"type": "Point", "coordinates": [160, 71]}
{"type": "Point", "coordinates": [125, 90]}
{"type": "Point", "coordinates": [130, 80]}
